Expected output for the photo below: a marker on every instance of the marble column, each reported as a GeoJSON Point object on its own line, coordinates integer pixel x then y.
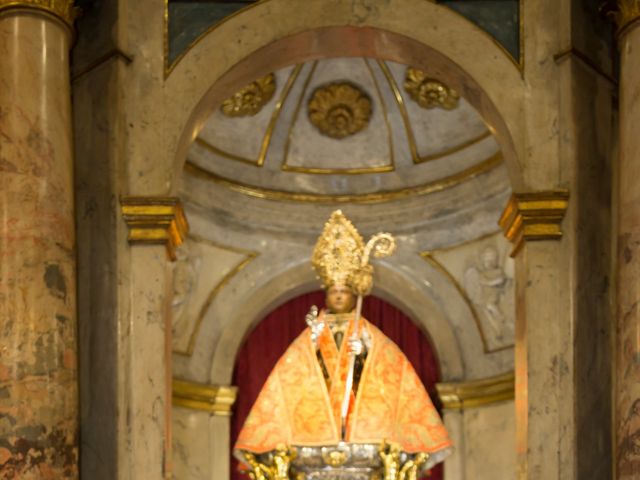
{"type": "Point", "coordinates": [627, 378]}
{"type": "Point", "coordinates": [38, 368]}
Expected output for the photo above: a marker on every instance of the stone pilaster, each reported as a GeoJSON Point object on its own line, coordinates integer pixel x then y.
{"type": "Point", "coordinates": [38, 367]}
{"type": "Point", "coordinates": [627, 377]}
{"type": "Point", "coordinates": [532, 221]}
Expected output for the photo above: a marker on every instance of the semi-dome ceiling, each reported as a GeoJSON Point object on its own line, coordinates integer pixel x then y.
{"type": "Point", "coordinates": [345, 130]}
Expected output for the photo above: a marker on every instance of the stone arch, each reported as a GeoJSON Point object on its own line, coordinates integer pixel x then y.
{"type": "Point", "coordinates": [300, 279]}
{"type": "Point", "coordinates": [276, 33]}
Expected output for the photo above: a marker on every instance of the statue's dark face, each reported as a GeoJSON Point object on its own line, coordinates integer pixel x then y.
{"type": "Point", "coordinates": [340, 299]}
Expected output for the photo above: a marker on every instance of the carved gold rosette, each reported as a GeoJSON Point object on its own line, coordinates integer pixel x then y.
{"type": "Point", "coordinates": [628, 11]}
{"type": "Point", "coordinates": [429, 92]}
{"type": "Point", "coordinates": [62, 9]}
{"type": "Point", "coordinates": [339, 109]}
{"type": "Point", "coordinates": [250, 99]}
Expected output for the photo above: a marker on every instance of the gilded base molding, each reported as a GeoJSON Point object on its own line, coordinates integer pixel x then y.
{"type": "Point", "coordinates": [476, 393]}
{"type": "Point", "coordinates": [62, 9]}
{"type": "Point", "coordinates": [155, 221]}
{"type": "Point", "coordinates": [215, 399]}
{"type": "Point", "coordinates": [534, 216]}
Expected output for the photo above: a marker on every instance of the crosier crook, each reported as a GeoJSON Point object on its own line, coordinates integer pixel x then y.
{"type": "Point", "coordinates": [381, 245]}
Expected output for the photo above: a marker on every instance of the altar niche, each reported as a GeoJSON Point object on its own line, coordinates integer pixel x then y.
{"type": "Point", "coordinates": [266, 343]}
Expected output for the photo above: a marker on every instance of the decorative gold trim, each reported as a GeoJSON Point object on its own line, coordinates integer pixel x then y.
{"type": "Point", "coordinates": [378, 197]}
{"type": "Point", "coordinates": [413, 148]}
{"type": "Point", "coordinates": [628, 13]}
{"type": "Point", "coordinates": [338, 171]}
{"type": "Point", "coordinates": [155, 221]}
{"type": "Point", "coordinates": [266, 140]}
{"type": "Point", "coordinates": [251, 98]}
{"type": "Point", "coordinates": [534, 216]}
{"type": "Point", "coordinates": [429, 258]}
{"type": "Point", "coordinates": [215, 399]}
{"type": "Point", "coordinates": [250, 256]}
{"type": "Point", "coordinates": [62, 9]}
{"type": "Point", "coordinates": [517, 62]}
{"type": "Point", "coordinates": [168, 68]}
{"type": "Point", "coordinates": [476, 393]}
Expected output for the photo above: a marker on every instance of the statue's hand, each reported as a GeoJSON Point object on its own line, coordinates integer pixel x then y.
{"type": "Point", "coordinates": [316, 330]}
{"type": "Point", "coordinates": [356, 346]}
{"type": "Point", "coordinates": [314, 324]}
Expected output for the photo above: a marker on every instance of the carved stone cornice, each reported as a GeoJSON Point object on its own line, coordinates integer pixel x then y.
{"type": "Point", "coordinates": [475, 393]}
{"type": "Point", "coordinates": [62, 9]}
{"type": "Point", "coordinates": [627, 12]}
{"type": "Point", "coordinates": [155, 221]}
{"type": "Point", "coordinates": [534, 216]}
{"type": "Point", "coordinates": [215, 399]}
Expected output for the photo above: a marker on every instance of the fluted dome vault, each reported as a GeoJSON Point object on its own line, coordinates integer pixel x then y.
{"type": "Point", "coordinates": [345, 130]}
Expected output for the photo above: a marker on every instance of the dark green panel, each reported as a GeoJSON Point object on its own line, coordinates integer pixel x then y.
{"type": "Point", "coordinates": [188, 20]}
{"type": "Point", "coordinates": [499, 18]}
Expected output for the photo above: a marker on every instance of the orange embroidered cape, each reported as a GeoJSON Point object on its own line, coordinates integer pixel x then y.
{"type": "Point", "coordinates": [297, 407]}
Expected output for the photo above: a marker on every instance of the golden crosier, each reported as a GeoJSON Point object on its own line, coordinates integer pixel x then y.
{"type": "Point", "coordinates": [62, 9]}
{"type": "Point", "coordinates": [249, 100]}
{"type": "Point", "coordinates": [429, 92]}
{"type": "Point", "coordinates": [339, 109]}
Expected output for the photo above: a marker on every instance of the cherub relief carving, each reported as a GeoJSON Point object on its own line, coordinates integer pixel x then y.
{"type": "Point", "coordinates": [490, 287]}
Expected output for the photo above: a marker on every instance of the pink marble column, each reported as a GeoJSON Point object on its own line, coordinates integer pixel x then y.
{"type": "Point", "coordinates": [627, 373]}
{"type": "Point", "coordinates": [38, 370]}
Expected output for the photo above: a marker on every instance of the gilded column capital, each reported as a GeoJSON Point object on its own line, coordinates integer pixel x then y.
{"type": "Point", "coordinates": [155, 221]}
{"type": "Point", "coordinates": [627, 12]}
{"type": "Point", "coordinates": [215, 399]}
{"type": "Point", "coordinates": [534, 216]}
{"type": "Point", "coordinates": [475, 393]}
{"type": "Point", "coordinates": [63, 9]}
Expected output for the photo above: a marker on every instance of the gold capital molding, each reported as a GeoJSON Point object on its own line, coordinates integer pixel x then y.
{"type": "Point", "coordinates": [627, 12]}
{"type": "Point", "coordinates": [215, 399]}
{"type": "Point", "coordinates": [476, 393]}
{"type": "Point", "coordinates": [155, 221]}
{"type": "Point", "coordinates": [62, 9]}
{"type": "Point", "coordinates": [534, 216]}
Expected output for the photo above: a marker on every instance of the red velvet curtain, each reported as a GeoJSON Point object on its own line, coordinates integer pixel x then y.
{"type": "Point", "coordinates": [271, 337]}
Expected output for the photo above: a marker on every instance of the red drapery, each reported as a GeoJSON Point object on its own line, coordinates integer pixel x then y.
{"type": "Point", "coordinates": [271, 337]}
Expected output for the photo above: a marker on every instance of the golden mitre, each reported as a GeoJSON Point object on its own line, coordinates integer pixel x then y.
{"type": "Point", "coordinates": [341, 256]}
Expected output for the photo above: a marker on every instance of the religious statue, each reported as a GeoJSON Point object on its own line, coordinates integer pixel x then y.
{"type": "Point", "coordinates": [343, 402]}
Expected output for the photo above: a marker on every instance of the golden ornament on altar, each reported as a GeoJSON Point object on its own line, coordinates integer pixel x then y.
{"type": "Point", "coordinates": [341, 257]}
{"type": "Point", "coordinates": [339, 109]}
{"type": "Point", "coordinates": [249, 100]}
{"type": "Point", "coordinates": [429, 92]}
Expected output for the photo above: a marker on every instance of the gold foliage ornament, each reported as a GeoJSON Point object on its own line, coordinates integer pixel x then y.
{"type": "Point", "coordinates": [339, 109]}
{"type": "Point", "coordinates": [63, 9]}
{"type": "Point", "coordinates": [429, 92]}
{"type": "Point", "coordinates": [341, 256]}
{"type": "Point", "coordinates": [249, 100]}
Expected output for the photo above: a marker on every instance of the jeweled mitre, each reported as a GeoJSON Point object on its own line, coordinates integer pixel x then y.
{"type": "Point", "coordinates": [341, 256]}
